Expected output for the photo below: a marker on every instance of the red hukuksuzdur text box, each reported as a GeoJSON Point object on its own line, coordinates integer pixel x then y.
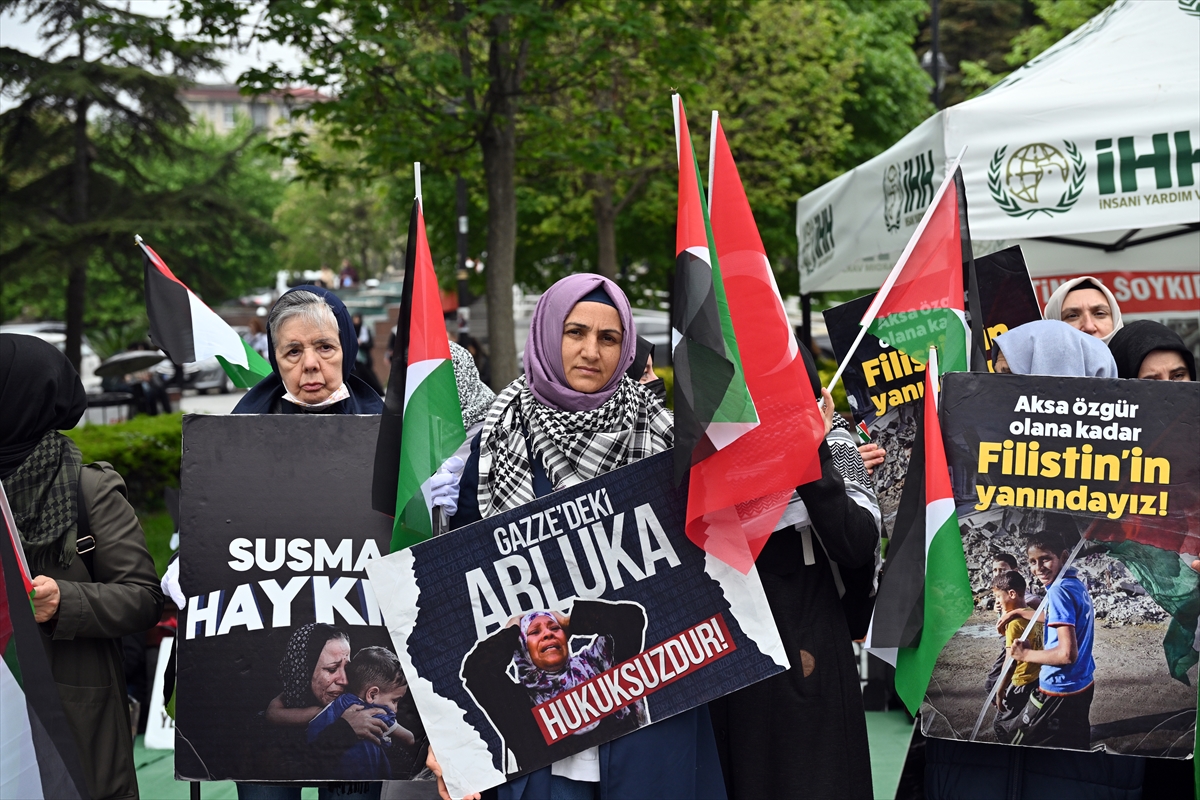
{"type": "Point", "coordinates": [630, 681]}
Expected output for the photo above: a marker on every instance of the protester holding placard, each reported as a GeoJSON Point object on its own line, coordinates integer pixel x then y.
{"type": "Point", "coordinates": [312, 346]}
{"type": "Point", "coordinates": [93, 579]}
{"type": "Point", "coordinates": [1087, 304]}
{"type": "Point", "coordinates": [1058, 717]}
{"type": "Point", "coordinates": [572, 417]}
{"type": "Point", "coordinates": [1151, 351]}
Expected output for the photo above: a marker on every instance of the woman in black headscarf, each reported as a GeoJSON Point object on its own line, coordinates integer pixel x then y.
{"type": "Point", "coordinates": [642, 370]}
{"type": "Point", "coordinates": [312, 347]}
{"type": "Point", "coordinates": [94, 580]}
{"type": "Point", "coordinates": [1152, 351]}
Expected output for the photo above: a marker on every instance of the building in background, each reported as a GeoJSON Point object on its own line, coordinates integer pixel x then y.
{"type": "Point", "coordinates": [222, 105]}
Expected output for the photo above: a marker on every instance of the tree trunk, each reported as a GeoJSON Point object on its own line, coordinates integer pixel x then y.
{"type": "Point", "coordinates": [606, 225]}
{"type": "Point", "coordinates": [499, 145]}
{"type": "Point", "coordinates": [499, 167]}
{"type": "Point", "coordinates": [77, 274]}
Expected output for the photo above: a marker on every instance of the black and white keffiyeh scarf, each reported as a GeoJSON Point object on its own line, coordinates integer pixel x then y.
{"type": "Point", "coordinates": [44, 495]}
{"type": "Point", "coordinates": [574, 446]}
{"type": "Point", "coordinates": [474, 395]}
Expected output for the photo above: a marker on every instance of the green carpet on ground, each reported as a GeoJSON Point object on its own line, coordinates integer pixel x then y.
{"type": "Point", "coordinates": [156, 778]}
{"type": "Point", "coordinates": [889, 733]}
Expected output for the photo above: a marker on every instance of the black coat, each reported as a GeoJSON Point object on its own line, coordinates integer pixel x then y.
{"type": "Point", "coordinates": [803, 733]}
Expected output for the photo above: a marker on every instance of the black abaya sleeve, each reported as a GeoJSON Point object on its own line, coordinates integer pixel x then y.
{"type": "Point", "coordinates": [468, 490]}
{"type": "Point", "coordinates": [848, 531]}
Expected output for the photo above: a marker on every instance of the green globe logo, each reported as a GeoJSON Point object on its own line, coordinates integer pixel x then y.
{"type": "Point", "coordinates": [1035, 168]}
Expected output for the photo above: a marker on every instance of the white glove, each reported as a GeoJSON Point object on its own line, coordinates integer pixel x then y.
{"type": "Point", "coordinates": [443, 486]}
{"type": "Point", "coordinates": [170, 584]}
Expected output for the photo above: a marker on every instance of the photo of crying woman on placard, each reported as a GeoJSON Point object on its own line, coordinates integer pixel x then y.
{"type": "Point", "coordinates": [539, 655]}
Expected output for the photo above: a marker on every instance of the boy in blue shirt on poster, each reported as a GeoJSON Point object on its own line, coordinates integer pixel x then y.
{"type": "Point", "coordinates": [373, 680]}
{"type": "Point", "coordinates": [1057, 713]}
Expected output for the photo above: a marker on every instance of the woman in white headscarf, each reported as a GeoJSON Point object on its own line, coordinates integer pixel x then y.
{"type": "Point", "coordinates": [1087, 304]}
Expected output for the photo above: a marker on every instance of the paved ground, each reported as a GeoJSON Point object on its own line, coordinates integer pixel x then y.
{"type": "Point", "coordinates": [211, 403]}
{"type": "Point", "coordinates": [889, 733]}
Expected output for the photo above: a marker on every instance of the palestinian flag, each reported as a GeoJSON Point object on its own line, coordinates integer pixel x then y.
{"type": "Point", "coordinates": [712, 404]}
{"type": "Point", "coordinates": [38, 758]}
{"type": "Point", "coordinates": [920, 305]}
{"type": "Point", "coordinates": [864, 433]}
{"type": "Point", "coordinates": [924, 591]}
{"type": "Point", "coordinates": [738, 493]}
{"type": "Point", "coordinates": [187, 330]}
{"type": "Point", "coordinates": [422, 418]}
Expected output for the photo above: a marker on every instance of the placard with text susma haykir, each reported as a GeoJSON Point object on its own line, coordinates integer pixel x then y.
{"type": "Point", "coordinates": [282, 649]}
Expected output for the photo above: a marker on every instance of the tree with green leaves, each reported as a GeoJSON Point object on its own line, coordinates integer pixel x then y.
{"type": "Point", "coordinates": [1046, 22]}
{"type": "Point", "coordinates": [322, 222]}
{"type": "Point", "coordinates": [417, 83]}
{"type": "Point", "coordinates": [445, 84]}
{"type": "Point", "coordinates": [60, 201]}
{"type": "Point", "coordinates": [806, 90]}
{"type": "Point", "coordinates": [206, 206]}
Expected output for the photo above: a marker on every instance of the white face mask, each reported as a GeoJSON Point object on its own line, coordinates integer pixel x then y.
{"type": "Point", "coordinates": [338, 396]}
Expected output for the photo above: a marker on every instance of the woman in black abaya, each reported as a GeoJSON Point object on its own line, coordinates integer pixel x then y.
{"type": "Point", "coordinates": [803, 733]}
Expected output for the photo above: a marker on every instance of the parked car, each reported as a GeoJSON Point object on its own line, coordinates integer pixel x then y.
{"type": "Point", "coordinates": [56, 334]}
{"type": "Point", "coordinates": [203, 376]}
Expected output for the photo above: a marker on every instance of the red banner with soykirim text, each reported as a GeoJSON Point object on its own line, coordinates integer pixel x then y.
{"type": "Point", "coordinates": [630, 681]}
{"type": "Point", "coordinates": [1142, 292]}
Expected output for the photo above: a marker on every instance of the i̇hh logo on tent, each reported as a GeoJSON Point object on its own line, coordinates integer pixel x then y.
{"type": "Point", "coordinates": [907, 190]}
{"type": "Point", "coordinates": [818, 239]}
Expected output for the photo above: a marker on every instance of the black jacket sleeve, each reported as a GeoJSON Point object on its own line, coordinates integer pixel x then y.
{"type": "Point", "coordinates": [847, 530]}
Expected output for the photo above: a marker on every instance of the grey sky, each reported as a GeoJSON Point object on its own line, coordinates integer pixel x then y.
{"type": "Point", "coordinates": [14, 32]}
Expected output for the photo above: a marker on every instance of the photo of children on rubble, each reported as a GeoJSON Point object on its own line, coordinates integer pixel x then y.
{"type": "Point", "coordinates": [1110, 662]}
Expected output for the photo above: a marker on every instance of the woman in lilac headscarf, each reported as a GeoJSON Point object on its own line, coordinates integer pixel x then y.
{"type": "Point", "coordinates": [575, 415]}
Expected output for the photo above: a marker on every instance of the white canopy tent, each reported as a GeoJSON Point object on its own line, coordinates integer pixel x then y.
{"type": "Point", "coordinates": [1088, 157]}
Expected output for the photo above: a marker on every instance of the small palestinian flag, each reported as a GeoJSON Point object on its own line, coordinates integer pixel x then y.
{"type": "Point", "coordinates": [920, 305]}
{"type": "Point", "coordinates": [737, 494]}
{"type": "Point", "coordinates": [38, 758]}
{"type": "Point", "coordinates": [187, 330]}
{"type": "Point", "coordinates": [422, 417]}
{"type": "Point", "coordinates": [864, 434]}
{"type": "Point", "coordinates": [712, 404]}
{"type": "Point", "coordinates": [924, 592]}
